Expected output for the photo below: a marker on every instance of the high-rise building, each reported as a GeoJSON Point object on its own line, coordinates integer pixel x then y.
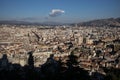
{"type": "Point", "coordinates": [80, 40]}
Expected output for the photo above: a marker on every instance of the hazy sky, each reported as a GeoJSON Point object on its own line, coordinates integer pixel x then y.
{"type": "Point", "coordinates": [58, 10]}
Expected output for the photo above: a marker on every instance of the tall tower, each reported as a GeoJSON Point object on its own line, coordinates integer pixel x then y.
{"type": "Point", "coordinates": [76, 25]}
{"type": "Point", "coordinates": [80, 40]}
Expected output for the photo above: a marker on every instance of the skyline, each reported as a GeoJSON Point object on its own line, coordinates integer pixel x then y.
{"type": "Point", "coordinates": [58, 10]}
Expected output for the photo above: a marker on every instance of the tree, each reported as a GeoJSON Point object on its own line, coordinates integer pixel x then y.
{"type": "Point", "coordinates": [31, 59]}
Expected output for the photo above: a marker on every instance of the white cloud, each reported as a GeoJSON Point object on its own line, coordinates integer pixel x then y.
{"type": "Point", "coordinates": [56, 12]}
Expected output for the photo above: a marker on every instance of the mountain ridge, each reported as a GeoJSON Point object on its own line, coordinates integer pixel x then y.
{"type": "Point", "coordinates": [102, 22]}
{"type": "Point", "coordinates": [112, 22]}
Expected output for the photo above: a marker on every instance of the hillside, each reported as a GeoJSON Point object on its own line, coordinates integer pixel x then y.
{"type": "Point", "coordinates": [102, 22]}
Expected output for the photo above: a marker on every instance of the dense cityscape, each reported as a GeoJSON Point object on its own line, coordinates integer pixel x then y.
{"type": "Point", "coordinates": [59, 39]}
{"type": "Point", "coordinates": [50, 51]}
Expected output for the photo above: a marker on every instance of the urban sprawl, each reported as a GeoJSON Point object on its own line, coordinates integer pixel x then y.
{"type": "Point", "coordinates": [95, 48]}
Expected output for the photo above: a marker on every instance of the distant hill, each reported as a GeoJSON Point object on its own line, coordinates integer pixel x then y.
{"type": "Point", "coordinates": [14, 22]}
{"type": "Point", "coordinates": [113, 22]}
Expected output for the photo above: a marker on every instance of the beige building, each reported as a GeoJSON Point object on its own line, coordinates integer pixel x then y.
{"type": "Point", "coordinates": [80, 40]}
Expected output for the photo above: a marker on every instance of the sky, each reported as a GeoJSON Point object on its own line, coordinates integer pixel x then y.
{"type": "Point", "coordinates": [64, 11]}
